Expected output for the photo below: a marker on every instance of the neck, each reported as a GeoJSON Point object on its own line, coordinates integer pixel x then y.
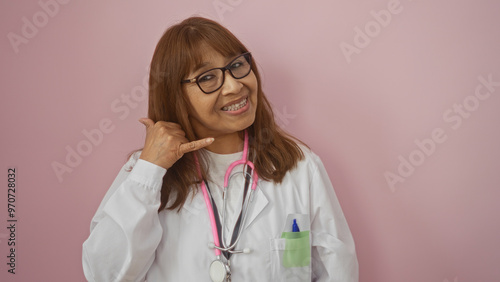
{"type": "Point", "coordinates": [226, 144]}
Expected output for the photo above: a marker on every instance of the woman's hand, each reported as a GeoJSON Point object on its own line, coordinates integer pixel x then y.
{"type": "Point", "coordinates": [166, 143]}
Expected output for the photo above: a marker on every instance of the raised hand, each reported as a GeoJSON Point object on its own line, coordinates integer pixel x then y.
{"type": "Point", "coordinates": [166, 143]}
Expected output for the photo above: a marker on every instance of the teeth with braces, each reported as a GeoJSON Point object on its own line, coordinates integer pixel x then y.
{"type": "Point", "coordinates": [235, 107]}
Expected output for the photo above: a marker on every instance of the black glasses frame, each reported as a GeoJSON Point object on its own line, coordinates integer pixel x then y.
{"type": "Point", "coordinates": [248, 58]}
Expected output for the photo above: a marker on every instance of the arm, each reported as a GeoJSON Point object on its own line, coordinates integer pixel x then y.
{"type": "Point", "coordinates": [125, 230]}
{"type": "Point", "coordinates": [333, 251]}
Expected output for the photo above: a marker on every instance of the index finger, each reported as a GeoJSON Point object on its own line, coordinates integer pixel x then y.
{"type": "Point", "coordinates": [194, 145]}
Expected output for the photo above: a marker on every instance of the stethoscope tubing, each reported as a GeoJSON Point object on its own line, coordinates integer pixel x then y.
{"type": "Point", "coordinates": [244, 161]}
{"type": "Point", "coordinates": [211, 217]}
{"type": "Point", "coordinates": [246, 204]}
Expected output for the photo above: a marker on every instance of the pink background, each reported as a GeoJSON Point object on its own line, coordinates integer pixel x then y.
{"type": "Point", "coordinates": [361, 112]}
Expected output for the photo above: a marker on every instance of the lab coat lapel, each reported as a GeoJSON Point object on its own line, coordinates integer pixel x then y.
{"type": "Point", "coordinates": [258, 204]}
{"type": "Point", "coordinates": [196, 206]}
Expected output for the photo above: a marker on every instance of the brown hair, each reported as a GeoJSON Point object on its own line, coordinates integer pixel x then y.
{"type": "Point", "coordinates": [273, 151]}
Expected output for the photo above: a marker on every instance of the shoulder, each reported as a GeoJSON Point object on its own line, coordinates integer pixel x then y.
{"type": "Point", "coordinates": [310, 162]}
{"type": "Point", "coordinates": [310, 157]}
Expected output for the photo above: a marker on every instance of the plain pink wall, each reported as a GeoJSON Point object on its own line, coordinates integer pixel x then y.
{"type": "Point", "coordinates": [358, 84]}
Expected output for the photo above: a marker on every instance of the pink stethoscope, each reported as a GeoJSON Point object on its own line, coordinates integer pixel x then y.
{"type": "Point", "coordinates": [220, 270]}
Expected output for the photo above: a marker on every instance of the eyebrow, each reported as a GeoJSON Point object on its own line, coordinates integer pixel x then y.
{"type": "Point", "coordinates": [199, 66]}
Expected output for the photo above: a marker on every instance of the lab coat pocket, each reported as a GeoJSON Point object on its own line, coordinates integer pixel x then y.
{"type": "Point", "coordinates": [290, 259]}
{"type": "Point", "coordinates": [291, 254]}
{"type": "Point", "coordinates": [297, 251]}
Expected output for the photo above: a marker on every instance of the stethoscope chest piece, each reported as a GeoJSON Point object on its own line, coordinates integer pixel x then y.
{"type": "Point", "coordinates": [219, 271]}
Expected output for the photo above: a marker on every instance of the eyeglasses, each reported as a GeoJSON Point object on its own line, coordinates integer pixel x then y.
{"type": "Point", "coordinates": [213, 79]}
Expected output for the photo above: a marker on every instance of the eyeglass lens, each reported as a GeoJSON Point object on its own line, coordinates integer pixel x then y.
{"type": "Point", "coordinates": [211, 80]}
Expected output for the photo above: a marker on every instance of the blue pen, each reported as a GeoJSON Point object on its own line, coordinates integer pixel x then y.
{"type": "Point", "coordinates": [295, 227]}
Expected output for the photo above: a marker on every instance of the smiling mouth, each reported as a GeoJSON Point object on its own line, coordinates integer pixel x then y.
{"type": "Point", "coordinates": [235, 107]}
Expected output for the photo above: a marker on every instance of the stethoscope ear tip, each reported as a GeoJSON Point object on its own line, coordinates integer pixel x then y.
{"type": "Point", "coordinates": [247, 250]}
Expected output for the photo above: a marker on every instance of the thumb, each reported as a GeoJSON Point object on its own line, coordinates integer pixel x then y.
{"type": "Point", "coordinates": [147, 122]}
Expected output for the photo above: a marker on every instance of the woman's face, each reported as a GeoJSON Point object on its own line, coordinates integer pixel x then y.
{"type": "Point", "coordinates": [229, 109]}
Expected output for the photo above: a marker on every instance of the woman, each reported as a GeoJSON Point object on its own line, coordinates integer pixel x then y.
{"type": "Point", "coordinates": [166, 218]}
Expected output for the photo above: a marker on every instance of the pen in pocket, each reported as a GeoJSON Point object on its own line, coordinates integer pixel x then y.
{"type": "Point", "coordinates": [295, 227]}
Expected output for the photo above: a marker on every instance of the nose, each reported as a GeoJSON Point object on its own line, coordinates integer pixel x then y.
{"type": "Point", "coordinates": [231, 85]}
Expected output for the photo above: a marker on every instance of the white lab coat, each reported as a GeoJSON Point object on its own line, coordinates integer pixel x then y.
{"type": "Point", "coordinates": [131, 241]}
